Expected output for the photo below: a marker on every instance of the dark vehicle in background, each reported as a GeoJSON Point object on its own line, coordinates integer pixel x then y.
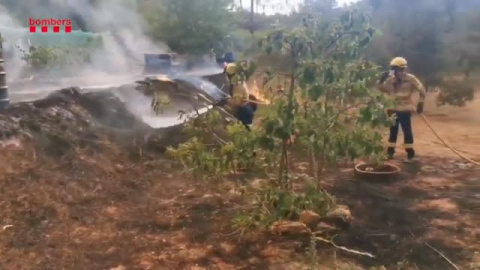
{"type": "Point", "coordinates": [158, 63]}
{"type": "Point", "coordinates": [167, 64]}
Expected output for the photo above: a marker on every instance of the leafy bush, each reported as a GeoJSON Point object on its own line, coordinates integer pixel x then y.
{"type": "Point", "coordinates": [61, 58]}
{"type": "Point", "coordinates": [455, 92]}
{"type": "Point", "coordinates": [56, 58]}
{"type": "Point", "coordinates": [216, 149]}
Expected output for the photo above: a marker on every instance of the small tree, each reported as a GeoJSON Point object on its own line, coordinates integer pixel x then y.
{"type": "Point", "coordinates": [331, 105]}
{"type": "Point", "coordinates": [58, 59]}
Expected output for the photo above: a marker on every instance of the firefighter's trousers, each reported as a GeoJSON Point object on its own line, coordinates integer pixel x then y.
{"type": "Point", "coordinates": [246, 113]}
{"type": "Point", "coordinates": [404, 120]}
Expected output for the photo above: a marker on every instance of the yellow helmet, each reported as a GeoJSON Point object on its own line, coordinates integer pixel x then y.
{"type": "Point", "coordinates": [399, 62]}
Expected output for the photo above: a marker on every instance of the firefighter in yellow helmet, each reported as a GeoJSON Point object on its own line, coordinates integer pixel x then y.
{"type": "Point", "coordinates": [237, 89]}
{"type": "Point", "coordinates": [241, 101]}
{"type": "Point", "coordinates": [402, 86]}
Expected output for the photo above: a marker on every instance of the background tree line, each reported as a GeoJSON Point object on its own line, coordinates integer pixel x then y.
{"type": "Point", "coordinates": [436, 36]}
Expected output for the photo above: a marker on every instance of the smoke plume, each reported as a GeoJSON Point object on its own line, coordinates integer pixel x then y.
{"type": "Point", "coordinates": [118, 60]}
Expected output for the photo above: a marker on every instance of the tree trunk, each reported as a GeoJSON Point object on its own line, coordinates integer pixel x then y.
{"type": "Point", "coordinates": [314, 166]}
{"type": "Point", "coordinates": [252, 12]}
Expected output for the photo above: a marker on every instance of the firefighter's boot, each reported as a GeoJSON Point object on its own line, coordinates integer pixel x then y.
{"type": "Point", "coordinates": [410, 155]}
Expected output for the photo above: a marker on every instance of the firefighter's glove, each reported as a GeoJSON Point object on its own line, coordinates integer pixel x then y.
{"type": "Point", "coordinates": [384, 76]}
{"type": "Point", "coordinates": [420, 108]}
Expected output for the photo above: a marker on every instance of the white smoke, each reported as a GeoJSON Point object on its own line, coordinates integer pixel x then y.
{"type": "Point", "coordinates": [136, 103]}
{"type": "Point", "coordinates": [119, 59]}
{"type": "Point", "coordinates": [11, 32]}
{"type": "Point", "coordinates": [123, 37]}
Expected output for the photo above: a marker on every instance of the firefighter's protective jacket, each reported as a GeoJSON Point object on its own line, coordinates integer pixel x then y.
{"type": "Point", "coordinates": [403, 92]}
{"type": "Point", "coordinates": [231, 71]}
{"type": "Point", "coordinates": [240, 96]}
{"type": "Point", "coordinates": [240, 93]}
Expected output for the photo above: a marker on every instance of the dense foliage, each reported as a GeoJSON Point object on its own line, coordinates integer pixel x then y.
{"type": "Point", "coordinates": [60, 59]}
{"type": "Point", "coordinates": [193, 27]}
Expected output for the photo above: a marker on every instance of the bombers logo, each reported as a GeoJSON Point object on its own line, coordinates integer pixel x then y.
{"type": "Point", "coordinates": [44, 25]}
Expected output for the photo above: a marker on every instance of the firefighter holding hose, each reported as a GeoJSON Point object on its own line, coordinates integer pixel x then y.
{"type": "Point", "coordinates": [234, 73]}
{"type": "Point", "coordinates": [240, 100]}
{"type": "Point", "coordinates": [230, 70]}
{"type": "Point", "coordinates": [402, 86]}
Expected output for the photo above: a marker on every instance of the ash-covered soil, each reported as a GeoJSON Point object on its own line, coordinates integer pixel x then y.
{"type": "Point", "coordinates": [67, 119]}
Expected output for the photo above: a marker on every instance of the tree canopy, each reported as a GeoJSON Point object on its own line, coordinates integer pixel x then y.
{"type": "Point", "coordinates": [193, 27]}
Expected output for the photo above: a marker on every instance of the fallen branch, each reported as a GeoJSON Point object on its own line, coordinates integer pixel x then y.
{"type": "Point", "coordinates": [443, 256]}
{"type": "Point", "coordinates": [361, 253]}
{"type": "Point", "coordinates": [232, 233]}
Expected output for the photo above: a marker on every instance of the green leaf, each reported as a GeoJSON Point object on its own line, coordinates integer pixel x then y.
{"type": "Point", "coordinates": [364, 42]}
{"type": "Point", "coordinates": [366, 114]}
{"type": "Point", "coordinates": [329, 77]}
{"type": "Point", "coordinates": [278, 36]}
{"type": "Point", "coordinates": [317, 91]}
{"type": "Point", "coordinates": [371, 31]}
{"type": "Point", "coordinates": [345, 17]}
{"type": "Point", "coordinates": [309, 74]}
{"type": "Point", "coordinates": [260, 43]}
{"type": "Point", "coordinates": [269, 49]}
